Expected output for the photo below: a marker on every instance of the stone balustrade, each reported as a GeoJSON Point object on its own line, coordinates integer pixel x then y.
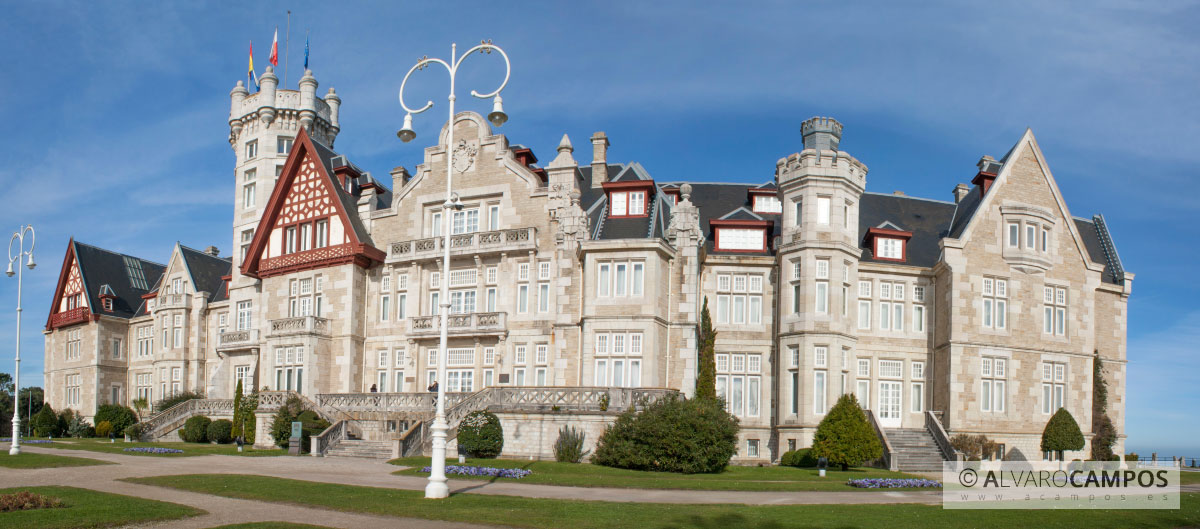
{"type": "Point", "coordinates": [478, 243]}
{"type": "Point", "coordinates": [173, 301]}
{"type": "Point", "coordinates": [300, 325]}
{"type": "Point", "coordinates": [458, 324]}
{"type": "Point", "coordinates": [230, 340]}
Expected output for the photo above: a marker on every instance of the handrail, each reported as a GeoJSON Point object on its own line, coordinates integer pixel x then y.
{"type": "Point", "coordinates": [321, 442]}
{"type": "Point", "coordinates": [949, 453]}
{"type": "Point", "coordinates": [165, 421]}
{"type": "Point", "coordinates": [889, 456]}
{"type": "Point", "coordinates": [410, 442]}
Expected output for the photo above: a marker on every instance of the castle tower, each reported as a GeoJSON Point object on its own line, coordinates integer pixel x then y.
{"type": "Point", "coordinates": [818, 253]}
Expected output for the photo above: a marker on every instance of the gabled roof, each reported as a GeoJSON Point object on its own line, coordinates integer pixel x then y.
{"type": "Point", "coordinates": [206, 272]}
{"type": "Point", "coordinates": [100, 268]}
{"type": "Point", "coordinates": [926, 219]}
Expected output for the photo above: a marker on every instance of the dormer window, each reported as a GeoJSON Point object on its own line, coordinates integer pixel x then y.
{"type": "Point", "coordinates": [627, 203]}
{"type": "Point", "coordinates": [108, 304]}
{"type": "Point", "coordinates": [741, 235]}
{"type": "Point", "coordinates": [767, 204]}
{"type": "Point", "coordinates": [887, 248]}
{"type": "Point", "coordinates": [888, 242]}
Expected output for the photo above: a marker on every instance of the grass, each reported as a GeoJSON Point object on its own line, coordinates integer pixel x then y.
{"type": "Point", "coordinates": [189, 449]}
{"type": "Point", "coordinates": [270, 525]}
{"type": "Point", "coordinates": [32, 460]}
{"type": "Point", "coordinates": [548, 513]}
{"type": "Point", "coordinates": [773, 478]}
{"type": "Point", "coordinates": [88, 508]}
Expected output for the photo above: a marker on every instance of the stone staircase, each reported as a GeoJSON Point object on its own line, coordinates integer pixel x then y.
{"type": "Point", "coordinates": [361, 449]}
{"type": "Point", "coordinates": [915, 450]}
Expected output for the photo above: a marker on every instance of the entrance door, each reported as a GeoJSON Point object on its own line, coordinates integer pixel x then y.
{"type": "Point", "coordinates": [889, 404]}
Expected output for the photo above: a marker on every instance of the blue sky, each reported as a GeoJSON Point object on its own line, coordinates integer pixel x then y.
{"type": "Point", "coordinates": [116, 118]}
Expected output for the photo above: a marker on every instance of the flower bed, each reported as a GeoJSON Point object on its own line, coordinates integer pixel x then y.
{"type": "Point", "coordinates": [514, 473]}
{"type": "Point", "coordinates": [27, 501]}
{"type": "Point", "coordinates": [154, 450]}
{"type": "Point", "coordinates": [893, 483]}
{"type": "Point", "coordinates": [27, 441]}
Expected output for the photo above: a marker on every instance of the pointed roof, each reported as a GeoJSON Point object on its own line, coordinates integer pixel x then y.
{"type": "Point", "coordinates": [102, 271]}
{"type": "Point", "coordinates": [207, 272]}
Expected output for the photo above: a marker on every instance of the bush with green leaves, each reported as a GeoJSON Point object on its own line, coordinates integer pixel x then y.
{"type": "Point", "coordinates": [120, 417]}
{"type": "Point", "coordinates": [294, 410]}
{"type": "Point", "coordinates": [1062, 433]}
{"type": "Point", "coordinates": [103, 429]}
{"type": "Point", "coordinates": [220, 431]}
{"type": "Point", "coordinates": [134, 431]}
{"type": "Point", "coordinates": [1104, 437]}
{"type": "Point", "coordinates": [195, 430]}
{"type": "Point", "coordinates": [845, 437]}
{"type": "Point", "coordinates": [569, 446]}
{"type": "Point", "coordinates": [66, 417]}
{"type": "Point", "coordinates": [45, 422]}
{"type": "Point", "coordinates": [80, 428]}
{"type": "Point", "coordinates": [798, 458]}
{"type": "Point", "coordinates": [172, 400]}
{"type": "Point", "coordinates": [674, 434]}
{"type": "Point", "coordinates": [480, 435]}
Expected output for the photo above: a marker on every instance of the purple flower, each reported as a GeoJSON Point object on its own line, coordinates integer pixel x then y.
{"type": "Point", "coordinates": [464, 470]}
{"type": "Point", "coordinates": [154, 450]}
{"type": "Point", "coordinates": [27, 441]}
{"type": "Point", "coordinates": [893, 483]}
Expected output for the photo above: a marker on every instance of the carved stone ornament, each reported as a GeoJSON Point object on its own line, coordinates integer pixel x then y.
{"type": "Point", "coordinates": [464, 156]}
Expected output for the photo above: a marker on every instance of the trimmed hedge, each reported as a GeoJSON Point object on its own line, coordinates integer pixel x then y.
{"type": "Point", "coordinates": [1062, 433]}
{"type": "Point", "coordinates": [798, 458]}
{"type": "Point", "coordinates": [845, 437]}
{"type": "Point", "coordinates": [220, 431]}
{"type": "Point", "coordinates": [480, 435]}
{"type": "Point", "coordinates": [195, 430]}
{"type": "Point", "coordinates": [671, 435]}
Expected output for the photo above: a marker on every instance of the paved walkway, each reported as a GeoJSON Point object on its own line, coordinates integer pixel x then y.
{"type": "Point", "coordinates": [371, 473]}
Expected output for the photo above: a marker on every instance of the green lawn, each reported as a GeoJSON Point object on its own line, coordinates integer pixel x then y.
{"type": "Point", "coordinates": [773, 478]}
{"type": "Point", "coordinates": [189, 449]}
{"type": "Point", "coordinates": [1189, 478]}
{"type": "Point", "coordinates": [270, 525]}
{"type": "Point", "coordinates": [88, 508]}
{"type": "Point", "coordinates": [549, 513]}
{"type": "Point", "coordinates": [32, 460]}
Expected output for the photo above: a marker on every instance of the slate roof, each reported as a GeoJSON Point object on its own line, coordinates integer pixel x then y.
{"type": "Point", "coordinates": [99, 268]}
{"type": "Point", "coordinates": [207, 271]}
{"type": "Point", "coordinates": [349, 201]}
{"type": "Point", "coordinates": [926, 219]}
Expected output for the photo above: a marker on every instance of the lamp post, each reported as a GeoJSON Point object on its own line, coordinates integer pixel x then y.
{"type": "Point", "coordinates": [437, 487]}
{"type": "Point", "coordinates": [19, 238]}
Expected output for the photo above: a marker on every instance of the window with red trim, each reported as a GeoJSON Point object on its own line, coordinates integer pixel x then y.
{"type": "Point", "coordinates": [627, 203]}
{"type": "Point", "coordinates": [889, 248]}
{"type": "Point", "coordinates": [767, 204]}
{"type": "Point", "coordinates": [752, 239]}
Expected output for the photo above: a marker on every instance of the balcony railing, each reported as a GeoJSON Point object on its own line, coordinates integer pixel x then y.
{"type": "Point", "coordinates": [237, 339]}
{"type": "Point", "coordinates": [70, 317]}
{"type": "Point", "coordinates": [458, 324]}
{"type": "Point", "coordinates": [300, 325]}
{"type": "Point", "coordinates": [174, 301]}
{"type": "Point", "coordinates": [518, 239]}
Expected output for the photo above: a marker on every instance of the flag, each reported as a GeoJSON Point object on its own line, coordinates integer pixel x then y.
{"type": "Point", "coordinates": [251, 78]}
{"type": "Point", "coordinates": [306, 52]}
{"type": "Point", "coordinates": [275, 49]}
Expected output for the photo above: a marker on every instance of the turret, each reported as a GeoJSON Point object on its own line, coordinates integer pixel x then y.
{"type": "Point", "coordinates": [308, 94]}
{"type": "Point", "coordinates": [334, 103]}
{"type": "Point", "coordinates": [236, 97]}
{"type": "Point", "coordinates": [266, 97]}
{"type": "Point", "coordinates": [822, 134]}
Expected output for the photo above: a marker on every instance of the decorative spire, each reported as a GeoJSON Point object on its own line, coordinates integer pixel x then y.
{"type": "Point", "coordinates": [564, 145]}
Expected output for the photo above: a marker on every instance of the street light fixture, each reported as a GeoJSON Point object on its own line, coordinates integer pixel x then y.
{"type": "Point", "coordinates": [19, 238]}
{"type": "Point", "coordinates": [437, 487]}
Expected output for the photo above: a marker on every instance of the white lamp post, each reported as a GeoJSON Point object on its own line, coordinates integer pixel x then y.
{"type": "Point", "coordinates": [19, 238]}
{"type": "Point", "coordinates": [437, 487]}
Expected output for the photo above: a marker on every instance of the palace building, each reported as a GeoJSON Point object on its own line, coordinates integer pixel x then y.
{"type": "Point", "coordinates": [983, 313]}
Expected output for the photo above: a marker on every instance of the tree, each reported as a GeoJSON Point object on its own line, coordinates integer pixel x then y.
{"type": "Point", "coordinates": [6, 384]}
{"type": "Point", "coordinates": [30, 402]}
{"type": "Point", "coordinates": [141, 406]}
{"type": "Point", "coordinates": [845, 437]}
{"type": "Point", "coordinates": [706, 378]}
{"type": "Point", "coordinates": [1062, 433]}
{"type": "Point", "coordinates": [1104, 433]}
{"type": "Point", "coordinates": [237, 411]}
{"type": "Point", "coordinates": [45, 422]}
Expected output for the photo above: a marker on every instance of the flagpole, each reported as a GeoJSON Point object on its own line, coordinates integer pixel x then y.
{"type": "Point", "coordinates": [287, 43]}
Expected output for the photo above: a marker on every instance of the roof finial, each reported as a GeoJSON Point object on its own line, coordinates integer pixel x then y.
{"type": "Point", "coordinates": [565, 144]}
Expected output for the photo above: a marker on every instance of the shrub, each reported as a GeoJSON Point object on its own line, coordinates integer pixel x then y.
{"type": "Point", "coordinates": [195, 430]}
{"type": "Point", "coordinates": [26, 501]}
{"type": "Point", "coordinates": [294, 410]}
{"type": "Point", "coordinates": [176, 399]}
{"type": "Point", "coordinates": [974, 447]}
{"type": "Point", "coordinates": [845, 437]}
{"type": "Point", "coordinates": [671, 435]}
{"type": "Point", "coordinates": [569, 446]}
{"type": "Point", "coordinates": [45, 422]}
{"type": "Point", "coordinates": [798, 458]}
{"type": "Point", "coordinates": [80, 428]}
{"type": "Point", "coordinates": [103, 429]}
{"type": "Point", "coordinates": [220, 431]}
{"type": "Point", "coordinates": [134, 431]}
{"type": "Point", "coordinates": [1132, 456]}
{"type": "Point", "coordinates": [65, 418]}
{"type": "Point", "coordinates": [120, 417]}
{"type": "Point", "coordinates": [1103, 439]}
{"type": "Point", "coordinates": [480, 434]}
{"type": "Point", "coordinates": [1062, 433]}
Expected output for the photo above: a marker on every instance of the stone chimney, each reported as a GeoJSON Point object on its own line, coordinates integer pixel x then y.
{"type": "Point", "coordinates": [599, 159]}
{"type": "Point", "coordinates": [213, 251]}
{"type": "Point", "coordinates": [823, 134]}
{"type": "Point", "coordinates": [400, 177]}
{"type": "Point", "coordinates": [960, 192]}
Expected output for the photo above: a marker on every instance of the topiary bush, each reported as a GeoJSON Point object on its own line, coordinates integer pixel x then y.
{"type": "Point", "coordinates": [798, 458]}
{"type": "Point", "coordinates": [480, 435]}
{"type": "Point", "coordinates": [103, 429]}
{"type": "Point", "coordinates": [1062, 433]}
{"type": "Point", "coordinates": [569, 446]}
{"type": "Point", "coordinates": [687, 436]}
{"type": "Point", "coordinates": [220, 431]}
{"type": "Point", "coordinates": [195, 430]}
{"type": "Point", "coordinates": [118, 416]}
{"type": "Point", "coordinates": [45, 422]}
{"type": "Point", "coordinates": [845, 437]}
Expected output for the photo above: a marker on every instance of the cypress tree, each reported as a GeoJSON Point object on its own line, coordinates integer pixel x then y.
{"type": "Point", "coordinates": [237, 411]}
{"type": "Point", "coordinates": [706, 378]}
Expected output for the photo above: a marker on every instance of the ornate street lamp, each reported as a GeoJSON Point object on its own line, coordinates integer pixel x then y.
{"type": "Point", "coordinates": [19, 238]}
{"type": "Point", "coordinates": [437, 487]}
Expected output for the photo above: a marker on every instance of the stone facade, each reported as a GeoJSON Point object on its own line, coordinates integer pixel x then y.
{"type": "Point", "coordinates": [595, 275]}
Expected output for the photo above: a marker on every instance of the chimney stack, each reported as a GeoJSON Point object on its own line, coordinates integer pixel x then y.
{"type": "Point", "coordinates": [399, 177]}
{"type": "Point", "coordinates": [599, 159]}
{"type": "Point", "coordinates": [960, 192]}
{"type": "Point", "coordinates": [213, 251]}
